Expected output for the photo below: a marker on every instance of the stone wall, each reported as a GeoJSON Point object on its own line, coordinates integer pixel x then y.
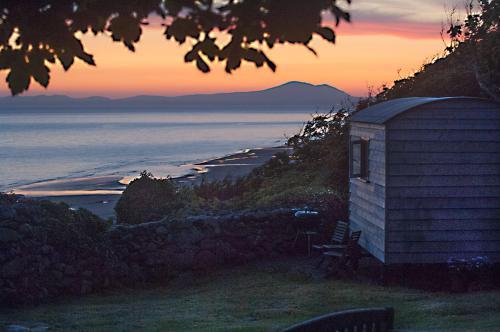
{"type": "Point", "coordinates": [42, 257]}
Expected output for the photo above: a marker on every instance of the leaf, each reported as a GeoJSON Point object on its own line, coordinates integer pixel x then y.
{"type": "Point", "coordinates": [181, 28]}
{"type": "Point", "coordinates": [41, 75]}
{"type": "Point", "coordinates": [18, 79]}
{"type": "Point", "coordinates": [5, 59]}
{"type": "Point", "coordinates": [209, 48]}
{"type": "Point", "coordinates": [202, 65]}
{"type": "Point", "coordinates": [87, 58]}
{"type": "Point", "coordinates": [327, 33]}
{"type": "Point", "coordinates": [312, 50]}
{"type": "Point", "coordinates": [66, 59]}
{"type": "Point", "coordinates": [126, 29]}
{"type": "Point", "coordinates": [255, 56]}
{"type": "Point", "coordinates": [39, 71]}
{"type": "Point", "coordinates": [269, 63]}
{"type": "Point", "coordinates": [233, 62]}
{"type": "Point", "coordinates": [190, 56]}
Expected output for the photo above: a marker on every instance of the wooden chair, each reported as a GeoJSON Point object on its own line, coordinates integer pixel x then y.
{"type": "Point", "coordinates": [359, 320]}
{"type": "Point", "coordinates": [344, 254]}
{"type": "Point", "coordinates": [337, 239]}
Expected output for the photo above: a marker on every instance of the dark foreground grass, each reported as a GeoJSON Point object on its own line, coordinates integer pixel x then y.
{"type": "Point", "coordinates": [259, 297]}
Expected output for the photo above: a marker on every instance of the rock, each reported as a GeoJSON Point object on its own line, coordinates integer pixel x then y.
{"type": "Point", "coordinates": [13, 268]}
{"type": "Point", "coordinates": [208, 244]}
{"type": "Point", "coordinates": [38, 327]}
{"type": "Point", "coordinates": [121, 270]}
{"type": "Point", "coordinates": [46, 249]}
{"type": "Point", "coordinates": [86, 287]}
{"type": "Point", "coordinates": [70, 270]}
{"type": "Point", "coordinates": [7, 212]}
{"type": "Point", "coordinates": [204, 260]}
{"type": "Point", "coordinates": [16, 328]}
{"type": "Point", "coordinates": [161, 230]}
{"type": "Point", "coordinates": [183, 260]}
{"type": "Point", "coordinates": [87, 274]}
{"type": "Point", "coordinates": [156, 258]}
{"type": "Point", "coordinates": [60, 266]}
{"type": "Point", "coordinates": [187, 236]}
{"type": "Point", "coordinates": [26, 229]}
{"type": "Point", "coordinates": [8, 235]}
{"type": "Point", "coordinates": [57, 275]}
{"type": "Point", "coordinates": [69, 283]}
{"type": "Point", "coordinates": [151, 246]}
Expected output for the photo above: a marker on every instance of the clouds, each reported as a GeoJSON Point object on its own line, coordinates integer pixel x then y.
{"type": "Point", "coordinates": [390, 11]}
{"type": "Point", "coordinates": [404, 18]}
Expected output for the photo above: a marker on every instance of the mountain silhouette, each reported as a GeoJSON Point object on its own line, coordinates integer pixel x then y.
{"type": "Point", "coordinates": [289, 95]}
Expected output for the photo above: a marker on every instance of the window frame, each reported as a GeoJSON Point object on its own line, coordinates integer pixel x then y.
{"type": "Point", "coordinates": [364, 148]}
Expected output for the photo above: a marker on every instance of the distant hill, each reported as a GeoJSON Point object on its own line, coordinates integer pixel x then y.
{"type": "Point", "coordinates": [289, 95]}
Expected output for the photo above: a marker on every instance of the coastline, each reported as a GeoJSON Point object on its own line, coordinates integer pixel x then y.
{"type": "Point", "coordinates": [100, 194]}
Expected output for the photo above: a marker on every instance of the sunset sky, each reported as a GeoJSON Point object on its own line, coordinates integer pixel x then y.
{"type": "Point", "coordinates": [386, 36]}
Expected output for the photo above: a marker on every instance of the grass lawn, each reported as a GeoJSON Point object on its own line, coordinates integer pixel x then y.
{"type": "Point", "coordinates": [259, 297]}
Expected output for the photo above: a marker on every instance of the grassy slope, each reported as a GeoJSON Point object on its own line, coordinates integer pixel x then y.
{"type": "Point", "coordinates": [286, 189]}
{"type": "Point", "coordinates": [260, 297]}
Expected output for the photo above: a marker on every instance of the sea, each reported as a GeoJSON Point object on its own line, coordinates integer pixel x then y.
{"type": "Point", "coordinates": [37, 146]}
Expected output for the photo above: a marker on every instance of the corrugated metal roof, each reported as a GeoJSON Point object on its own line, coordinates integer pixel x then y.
{"type": "Point", "coordinates": [383, 112]}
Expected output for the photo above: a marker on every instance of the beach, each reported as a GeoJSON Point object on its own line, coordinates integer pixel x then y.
{"type": "Point", "coordinates": [99, 194]}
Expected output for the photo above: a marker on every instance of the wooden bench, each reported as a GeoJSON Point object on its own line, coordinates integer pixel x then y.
{"type": "Point", "coordinates": [355, 320]}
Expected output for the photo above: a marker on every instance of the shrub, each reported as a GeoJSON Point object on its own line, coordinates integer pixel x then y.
{"type": "Point", "coordinates": [323, 145]}
{"type": "Point", "coordinates": [148, 198]}
{"type": "Point", "coordinates": [54, 222]}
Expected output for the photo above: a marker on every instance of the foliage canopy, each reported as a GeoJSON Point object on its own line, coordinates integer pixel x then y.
{"type": "Point", "coordinates": [35, 34]}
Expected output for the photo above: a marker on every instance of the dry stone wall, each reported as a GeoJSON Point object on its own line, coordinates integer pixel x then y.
{"type": "Point", "coordinates": [42, 257]}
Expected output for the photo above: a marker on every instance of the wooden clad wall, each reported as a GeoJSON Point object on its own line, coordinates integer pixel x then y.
{"type": "Point", "coordinates": [367, 199]}
{"type": "Point", "coordinates": [443, 182]}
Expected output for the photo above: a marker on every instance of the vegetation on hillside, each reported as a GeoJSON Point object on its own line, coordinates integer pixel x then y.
{"type": "Point", "coordinates": [314, 175]}
{"type": "Point", "coordinates": [470, 65]}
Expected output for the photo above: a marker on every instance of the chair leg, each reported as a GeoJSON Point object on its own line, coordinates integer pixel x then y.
{"type": "Point", "coordinates": [332, 267]}
{"type": "Point", "coordinates": [308, 245]}
{"type": "Point", "coordinates": [321, 260]}
{"type": "Point", "coordinates": [296, 238]}
{"type": "Point", "coordinates": [355, 264]}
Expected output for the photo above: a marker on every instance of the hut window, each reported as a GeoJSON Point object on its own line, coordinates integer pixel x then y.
{"type": "Point", "coordinates": [359, 158]}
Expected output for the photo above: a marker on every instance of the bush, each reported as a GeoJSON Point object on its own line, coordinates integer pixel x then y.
{"type": "Point", "coordinates": [55, 222]}
{"type": "Point", "coordinates": [148, 198]}
{"type": "Point", "coordinates": [323, 145]}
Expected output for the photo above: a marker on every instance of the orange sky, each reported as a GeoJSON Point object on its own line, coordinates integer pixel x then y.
{"type": "Point", "coordinates": [386, 36]}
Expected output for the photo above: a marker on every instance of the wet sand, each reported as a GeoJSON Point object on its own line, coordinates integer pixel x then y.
{"type": "Point", "coordinates": [100, 194]}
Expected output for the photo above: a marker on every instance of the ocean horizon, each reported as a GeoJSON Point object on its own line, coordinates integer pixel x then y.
{"type": "Point", "coordinates": [44, 146]}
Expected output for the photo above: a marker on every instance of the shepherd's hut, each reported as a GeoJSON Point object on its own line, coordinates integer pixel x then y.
{"type": "Point", "coordinates": [425, 179]}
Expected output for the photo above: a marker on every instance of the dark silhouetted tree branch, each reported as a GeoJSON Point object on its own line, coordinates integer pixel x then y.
{"type": "Point", "coordinates": [35, 34]}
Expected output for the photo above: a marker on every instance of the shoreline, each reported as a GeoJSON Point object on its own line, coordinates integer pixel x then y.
{"type": "Point", "coordinates": [99, 194]}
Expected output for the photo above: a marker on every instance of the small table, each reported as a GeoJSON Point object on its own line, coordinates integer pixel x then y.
{"type": "Point", "coordinates": [306, 223]}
